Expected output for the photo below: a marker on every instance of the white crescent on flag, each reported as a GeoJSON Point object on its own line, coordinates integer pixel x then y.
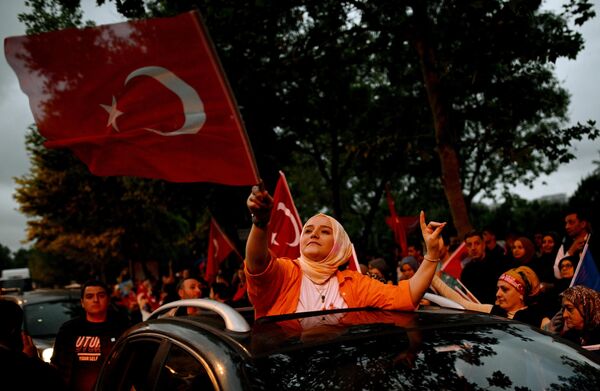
{"type": "Point", "coordinates": [290, 215]}
{"type": "Point", "coordinates": [193, 108]}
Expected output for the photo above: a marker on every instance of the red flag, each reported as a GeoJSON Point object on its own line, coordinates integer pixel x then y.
{"type": "Point", "coordinates": [394, 222]}
{"type": "Point", "coordinates": [219, 248]}
{"type": "Point", "coordinates": [285, 225]}
{"type": "Point", "coordinates": [453, 265]}
{"type": "Point", "coordinates": [143, 98]}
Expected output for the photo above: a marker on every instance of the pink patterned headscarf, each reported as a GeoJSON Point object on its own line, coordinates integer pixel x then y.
{"type": "Point", "coordinates": [587, 302]}
{"type": "Point", "coordinates": [319, 272]}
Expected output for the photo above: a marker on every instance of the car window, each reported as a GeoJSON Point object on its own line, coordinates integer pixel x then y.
{"type": "Point", "coordinates": [182, 371]}
{"type": "Point", "coordinates": [131, 367]}
{"type": "Point", "coordinates": [44, 319]}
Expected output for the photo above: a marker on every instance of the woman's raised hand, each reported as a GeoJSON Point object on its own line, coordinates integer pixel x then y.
{"type": "Point", "coordinates": [432, 235]}
{"type": "Point", "coordinates": [259, 204]}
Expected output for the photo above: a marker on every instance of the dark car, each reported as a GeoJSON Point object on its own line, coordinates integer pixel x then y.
{"type": "Point", "coordinates": [44, 311]}
{"type": "Point", "coordinates": [354, 349]}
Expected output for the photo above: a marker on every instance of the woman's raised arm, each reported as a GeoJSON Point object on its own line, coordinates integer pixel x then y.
{"type": "Point", "coordinates": [260, 204]}
{"type": "Point", "coordinates": [424, 274]}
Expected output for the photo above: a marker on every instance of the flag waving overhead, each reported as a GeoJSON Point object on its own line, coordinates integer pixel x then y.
{"type": "Point", "coordinates": [285, 225]}
{"type": "Point", "coordinates": [219, 248]}
{"type": "Point", "coordinates": [144, 98]}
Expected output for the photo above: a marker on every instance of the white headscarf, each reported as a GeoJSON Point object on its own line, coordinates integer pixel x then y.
{"type": "Point", "coordinates": [321, 271]}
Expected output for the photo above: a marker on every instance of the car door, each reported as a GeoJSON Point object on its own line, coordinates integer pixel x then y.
{"type": "Point", "coordinates": [154, 363]}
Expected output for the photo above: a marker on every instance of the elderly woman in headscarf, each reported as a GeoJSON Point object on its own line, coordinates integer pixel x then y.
{"type": "Point", "coordinates": [516, 296]}
{"type": "Point", "coordinates": [579, 320]}
{"type": "Point", "coordinates": [314, 281]}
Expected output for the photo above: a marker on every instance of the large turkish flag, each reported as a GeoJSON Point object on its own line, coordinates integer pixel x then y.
{"type": "Point", "coordinates": [143, 98]}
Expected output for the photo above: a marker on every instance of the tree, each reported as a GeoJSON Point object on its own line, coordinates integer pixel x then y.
{"type": "Point", "coordinates": [497, 109]}
{"type": "Point", "coordinates": [5, 257]}
{"type": "Point", "coordinates": [435, 98]}
{"type": "Point", "coordinates": [587, 195]}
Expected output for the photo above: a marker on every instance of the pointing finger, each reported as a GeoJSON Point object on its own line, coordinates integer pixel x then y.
{"type": "Point", "coordinates": [422, 221]}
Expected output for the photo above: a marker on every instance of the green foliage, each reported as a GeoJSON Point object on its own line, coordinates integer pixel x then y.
{"type": "Point", "coordinates": [516, 216]}
{"type": "Point", "coordinates": [587, 196]}
{"type": "Point", "coordinates": [50, 15]}
{"type": "Point", "coordinates": [93, 222]}
{"type": "Point", "coordinates": [333, 93]}
{"type": "Point", "coordinates": [5, 257]}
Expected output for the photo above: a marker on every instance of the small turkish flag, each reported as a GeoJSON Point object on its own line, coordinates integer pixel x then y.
{"type": "Point", "coordinates": [285, 226]}
{"type": "Point", "coordinates": [399, 224]}
{"type": "Point", "coordinates": [453, 265]}
{"type": "Point", "coordinates": [143, 98]}
{"type": "Point", "coordinates": [219, 248]}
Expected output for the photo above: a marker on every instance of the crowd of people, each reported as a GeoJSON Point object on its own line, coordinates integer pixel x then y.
{"type": "Point", "coordinates": [83, 343]}
{"type": "Point", "coordinates": [527, 280]}
{"type": "Point", "coordinates": [138, 299]}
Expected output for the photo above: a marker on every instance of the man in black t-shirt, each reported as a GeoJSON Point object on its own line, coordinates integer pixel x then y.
{"type": "Point", "coordinates": [83, 343]}
{"type": "Point", "coordinates": [480, 274]}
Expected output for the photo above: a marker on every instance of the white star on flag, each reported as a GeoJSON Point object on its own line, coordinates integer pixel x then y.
{"type": "Point", "coordinates": [113, 114]}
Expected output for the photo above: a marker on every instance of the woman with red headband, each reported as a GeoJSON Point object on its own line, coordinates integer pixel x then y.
{"type": "Point", "coordinates": [515, 297]}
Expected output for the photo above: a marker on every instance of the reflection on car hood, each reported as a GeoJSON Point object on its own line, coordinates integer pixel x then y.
{"type": "Point", "coordinates": [354, 349]}
{"type": "Point", "coordinates": [426, 350]}
{"type": "Point", "coordinates": [289, 332]}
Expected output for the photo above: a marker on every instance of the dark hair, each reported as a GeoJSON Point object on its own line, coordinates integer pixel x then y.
{"type": "Point", "coordinates": [574, 259]}
{"type": "Point", "coordinates": [11, 320]}
{"type": "Point", "coordinates": [553, 235]}
{"type": "Point", "coordinates": [490, 229]}
{"type": "Point", "coordinates": [414, 242]}
{"type": "Point", "coordinates": [473, 232]}
{"type": "Point", "coordinates": [180, 283]}
{"type": "Point", "coordinates": [582, 214]}
{"type": "Point", "coordinates": [220, 289]}
{"type": "Point", "coordinates": [95, 283]}
{"type": "Point", "coordinates": [380, 264]}
{"type": "Point", "coordinates": [527, 287]}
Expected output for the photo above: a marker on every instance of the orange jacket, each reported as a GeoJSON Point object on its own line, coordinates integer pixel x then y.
{"type": "Point", "coordinates": [276, 290]}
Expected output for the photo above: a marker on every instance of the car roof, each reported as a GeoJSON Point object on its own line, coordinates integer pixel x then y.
{"type": "Point", "coordinates": [44, 295]}
{"type": "Point", "coordinates": [275, 334]}
{"type": "Point", "coordinates": [360, 348]}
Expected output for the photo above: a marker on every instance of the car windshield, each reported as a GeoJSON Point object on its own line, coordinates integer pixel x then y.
{"type": "Point", "coordinates": [44, 319]}
{"type": "Point", "coordinates": [388, 356]}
